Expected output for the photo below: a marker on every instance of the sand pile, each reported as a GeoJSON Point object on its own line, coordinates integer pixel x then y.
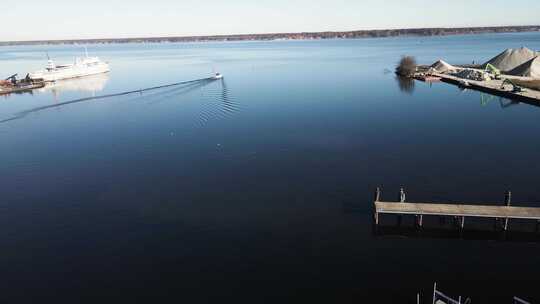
{"type": "Point", "coordinates": [530, 68]}
{"type": "Point", "coordinates": [443, 67]}
{"type": "Point", "coordinates": [472, 75]}
{"type": "Point", "coordinates": [511, 59]}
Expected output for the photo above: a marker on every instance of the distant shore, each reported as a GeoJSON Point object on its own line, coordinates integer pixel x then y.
{"type": "Point", "coordinates": [293, 36]}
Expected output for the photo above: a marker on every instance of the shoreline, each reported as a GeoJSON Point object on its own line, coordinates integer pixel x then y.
{"type": "Point", "coordinates": [360, 34]}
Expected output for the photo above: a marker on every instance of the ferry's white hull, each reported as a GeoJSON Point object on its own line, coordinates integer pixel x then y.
{"type": "Point", "coordinates": [72, 71]}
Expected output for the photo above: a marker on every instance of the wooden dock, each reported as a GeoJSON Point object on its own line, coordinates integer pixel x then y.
{"type": "Point", "coordinates": [501, 211]}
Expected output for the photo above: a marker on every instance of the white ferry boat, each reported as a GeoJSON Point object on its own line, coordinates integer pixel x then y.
{"type": "Point", "coordinates": [81, 67]}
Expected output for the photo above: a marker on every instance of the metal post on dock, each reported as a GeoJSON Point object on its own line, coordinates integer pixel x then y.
{"type": "Point", "coordinates": [508, 198]}
{"type": "Point", "coordinates": [402, 195]}
{"type": "Point", "coordinates": [508, 203]}
{"type": "Point", "coordinates": [434, 292]}
{"type": "Point", "coordinates": [378, 194]}
{"type": "Point", "coordinates": [377, 199]}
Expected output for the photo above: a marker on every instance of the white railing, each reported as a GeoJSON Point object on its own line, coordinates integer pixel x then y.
{"type": "Point", "coordinates": [520, 301]}
{"type": "Point", "coordinates": [437, 295]}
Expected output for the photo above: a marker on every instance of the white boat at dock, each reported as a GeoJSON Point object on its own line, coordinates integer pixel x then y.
{"type": "Point", "coordinates": [81, 67]}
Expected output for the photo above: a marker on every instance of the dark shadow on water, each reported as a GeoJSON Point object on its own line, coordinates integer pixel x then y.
{"type": "Point", "coordinates": [505, 103]}
{"type": "Point", "coordinates": [7, 96]}
{"type": "Point", "coordinates": [406, 84]}
{"type": "Point", "coordinates": [399, 230]}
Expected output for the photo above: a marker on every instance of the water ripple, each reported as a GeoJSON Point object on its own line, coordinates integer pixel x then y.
{"type": "Point", "coordinates": [217, 103]}
{"type": "Point", "coordinates": [22, 114]}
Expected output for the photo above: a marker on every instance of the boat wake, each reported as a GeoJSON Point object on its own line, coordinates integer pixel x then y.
{"type": "Point", "coordinates": [181, 85]}
{"type": "Point", "coordinates": [162, 95]}
{"type": "Point", "coordinates": [218, 103]}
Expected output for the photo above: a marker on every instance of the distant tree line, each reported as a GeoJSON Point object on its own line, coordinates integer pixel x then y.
{"type": "Point", "coordinates": [313, 35]}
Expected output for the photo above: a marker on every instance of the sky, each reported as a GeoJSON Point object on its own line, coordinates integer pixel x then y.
{"type": "Point", "coordinates": [75, 19]}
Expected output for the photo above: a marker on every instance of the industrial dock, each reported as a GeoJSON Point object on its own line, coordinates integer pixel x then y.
{"type": "Point", "coordinates": [494, 87]}
{"type": "Point", "coordinates": [512, 74]}
{"type": "Point", "coordinates": [12, 85]}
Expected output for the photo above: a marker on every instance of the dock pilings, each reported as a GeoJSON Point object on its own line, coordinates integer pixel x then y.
{"type": "Point", "coordinates": [508, 203]}
{"type": "Point", "coordinates": [377, 199]}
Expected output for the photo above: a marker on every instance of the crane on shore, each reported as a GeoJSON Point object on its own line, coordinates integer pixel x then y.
{"type": "Point", "coordinates": [491, 69]}
{"type": "Point", "coordinates": [515, 87]}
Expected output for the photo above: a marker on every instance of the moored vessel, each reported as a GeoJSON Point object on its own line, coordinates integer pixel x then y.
{"type": "Point", "coordinates": [81, 67]}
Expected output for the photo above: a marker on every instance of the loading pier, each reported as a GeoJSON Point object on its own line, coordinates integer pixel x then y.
{"type": "Point", "coordinates": [459, 210]}
{"type": "Point", "coordinates": [493, 87]}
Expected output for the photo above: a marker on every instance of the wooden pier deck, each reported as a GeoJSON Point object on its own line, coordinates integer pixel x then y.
{"type": "Point", "coordinates": [490, 211]}
{"type": "Point", "coordinates": [496, 211]}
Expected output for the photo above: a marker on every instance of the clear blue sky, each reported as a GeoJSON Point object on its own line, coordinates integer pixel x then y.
{"type": "Point", "coordinates": [69, 19]}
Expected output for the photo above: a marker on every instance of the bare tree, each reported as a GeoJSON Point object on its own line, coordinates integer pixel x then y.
{"type": "Point", "coordinates": [406, 66]}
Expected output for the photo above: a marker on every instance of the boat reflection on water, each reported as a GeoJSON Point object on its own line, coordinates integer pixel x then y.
{"type": "Point", "coordinates": [90, 84]}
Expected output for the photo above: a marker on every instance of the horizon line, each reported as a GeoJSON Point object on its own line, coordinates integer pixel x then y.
{"type": "Point", "coordinates": [214, 36]}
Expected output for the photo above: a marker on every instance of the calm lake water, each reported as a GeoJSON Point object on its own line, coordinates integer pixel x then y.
{"type": "Point", "coordinates": [258, 188]}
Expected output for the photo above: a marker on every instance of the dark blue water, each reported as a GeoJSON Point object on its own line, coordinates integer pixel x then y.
{"type": "Point", "coordinates": [258, 188]}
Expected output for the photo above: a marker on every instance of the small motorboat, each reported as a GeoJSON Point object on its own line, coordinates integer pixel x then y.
{"type": "Point", "coordinates": [217, 76]}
